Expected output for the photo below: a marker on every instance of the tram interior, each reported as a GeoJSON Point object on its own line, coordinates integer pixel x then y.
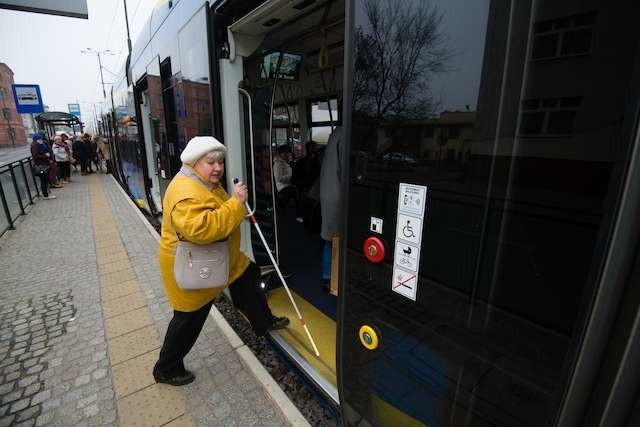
{"type": "Point", "coordinates": [305, 95]}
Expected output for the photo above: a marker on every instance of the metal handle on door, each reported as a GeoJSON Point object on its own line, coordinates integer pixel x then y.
{"type": "Point", "coordinates": [253, 169]}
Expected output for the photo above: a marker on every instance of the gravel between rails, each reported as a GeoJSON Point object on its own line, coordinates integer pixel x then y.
{"type": "Point", "coordinates": [295, 387]}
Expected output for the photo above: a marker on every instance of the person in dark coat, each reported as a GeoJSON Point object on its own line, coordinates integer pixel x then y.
{"type": "Point", "coordinates": [42, 161]}
{"type": "Point", "coordinates": [82, 153]}
{"type": "Point", "coordinates": [307, 169]}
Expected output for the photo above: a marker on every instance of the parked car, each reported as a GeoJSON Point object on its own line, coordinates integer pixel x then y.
{"type": "Point", "coordinates": [398, 157]}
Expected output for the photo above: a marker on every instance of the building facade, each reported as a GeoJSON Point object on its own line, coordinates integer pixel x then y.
{"type": "Point", "coordinates": [12, 131]}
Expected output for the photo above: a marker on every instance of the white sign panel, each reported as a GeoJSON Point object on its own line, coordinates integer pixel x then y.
{"type": "Point", "coordinates": [376, 225]}
{"type": "Point", "coordinates": [407, 256]}
{"type": "Point", "coordinates": [405, 283]}
{"type": "Point", "coordinates": [409, 229]}
{"type": "Point", "coordinates": [412, 199]}
{"type": "Point", "coordinates": [27, 95]}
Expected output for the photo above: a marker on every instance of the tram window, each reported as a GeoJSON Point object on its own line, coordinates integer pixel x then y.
{"type": "Point", "coordinates": [284, 114]}
{"type": "Point", "coordinates": [322, 115]}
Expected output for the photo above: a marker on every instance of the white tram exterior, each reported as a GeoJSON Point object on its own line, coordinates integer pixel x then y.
{"type": "Point", "coordinates": [512, 125]}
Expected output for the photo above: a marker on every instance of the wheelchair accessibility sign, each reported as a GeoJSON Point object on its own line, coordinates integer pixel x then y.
{"type": "Point", "coordinates": [412, 200]}
{"type": "Point", "coordinates": [409, 229]}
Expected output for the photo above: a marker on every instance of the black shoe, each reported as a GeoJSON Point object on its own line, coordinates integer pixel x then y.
{"type": "Point", "coordinates": [180, 379]}
{"type": "Point", "coordinates": [279, 323]}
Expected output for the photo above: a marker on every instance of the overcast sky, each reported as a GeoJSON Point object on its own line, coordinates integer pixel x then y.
{"type": "Point", "coordinates": [46, 50]}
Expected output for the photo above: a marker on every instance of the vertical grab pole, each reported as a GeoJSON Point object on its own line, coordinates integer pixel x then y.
{"type": "Point", "coordinates": [252, 217]}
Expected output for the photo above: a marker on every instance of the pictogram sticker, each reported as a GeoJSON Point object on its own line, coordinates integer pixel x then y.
{"type": "Point", "coordinates": [407, 256]}
{"type": "Point", "coordinates": [405, 283]}
{"type": "Point", "coordinates": [409, 229]}
{"type": "Point", "coordinates": [412, 199]}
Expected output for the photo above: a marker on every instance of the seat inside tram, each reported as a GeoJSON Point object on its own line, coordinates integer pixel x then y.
{"type": "Point", "coordinates": [295, 82]}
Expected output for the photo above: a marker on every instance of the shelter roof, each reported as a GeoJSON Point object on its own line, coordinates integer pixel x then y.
{"type": "Point", "coordinates": [58, 118]}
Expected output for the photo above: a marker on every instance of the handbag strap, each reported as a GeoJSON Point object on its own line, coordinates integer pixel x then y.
{"type": "Point", "coordinates": [184, 170]}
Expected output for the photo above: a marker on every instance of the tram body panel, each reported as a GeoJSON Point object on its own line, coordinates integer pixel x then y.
{"type": "Point", "coordinates": [514, 230]}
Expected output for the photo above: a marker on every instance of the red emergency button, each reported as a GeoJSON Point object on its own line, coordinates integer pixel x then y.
{"type": "Point", "coordinates": [374, 249]}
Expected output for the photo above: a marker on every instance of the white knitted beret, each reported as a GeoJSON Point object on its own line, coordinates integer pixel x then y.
{"type": "Point", "coordinates": [198, 146]}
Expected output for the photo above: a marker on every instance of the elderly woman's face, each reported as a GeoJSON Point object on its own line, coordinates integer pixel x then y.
{"type": "Point", "coordinates": [211, 167]}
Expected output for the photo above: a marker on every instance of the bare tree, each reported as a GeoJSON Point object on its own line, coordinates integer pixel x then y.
{"type": "Point", "coordinates": [396, 56]}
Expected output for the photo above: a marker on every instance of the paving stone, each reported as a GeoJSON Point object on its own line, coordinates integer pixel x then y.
{"type": "Point", "coordinates": [28, 414]}
{"type": "Point", "coordinates": [84, 379]}
{"type": "Point", "coordinates": [92, 410]}
{"type": "Point", "coordinates": [45, 419]}
{"type": "Point", "coordinates": [7, 387]}
{"type": "Point", "coordinates": [41, 397]}
{"type": "Point", "coordinates": [7, 421]}
{"type": "Point", "coordinates": [10, 397]}
{"type": "Point", "coordinates": [12, 376]}
{"type": "Point", "coordinates": [29, 363]}
{"type": "Point", "coordinates": [32, 389]}
{"type": "Point", "coordinates": [35, 369]}
{"type": "Point", "coordinates": [11, 368]}
{"type": "Point", "coordinates": [19, 405]}
{"type": "Point", "coordinates": [51, 404]}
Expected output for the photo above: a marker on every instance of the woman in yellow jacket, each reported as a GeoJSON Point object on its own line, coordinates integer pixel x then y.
{"type": "Point", "coordinates": [196, 207]}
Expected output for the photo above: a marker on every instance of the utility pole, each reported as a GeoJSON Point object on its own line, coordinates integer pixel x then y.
{"type": "Point", "coordinates": [126, 19]}
{"type": "Point", "coordinates": [98, 52]}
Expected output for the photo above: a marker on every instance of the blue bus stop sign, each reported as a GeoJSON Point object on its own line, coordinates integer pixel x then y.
{"type": "Point", "coordinates": [28, 99]}
{"type": "Point", "coordinates": [74, 109]}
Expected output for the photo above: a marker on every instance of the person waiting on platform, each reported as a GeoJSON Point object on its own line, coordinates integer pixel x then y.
{"type": "Point", "coordinates": [104, 150]}
{"type": "Point", "coordinates": [61, 154]}
{"type": "Point", "coordinates": [42, 161]}
{"type": "Point", "coordinates": [81, 151]}
{"type": "Point", "coordinates": [287, 192]}
{"type": "Point", "coordinates": [96, 158]}
{"type": "Point", "coordinates": [198, 209]}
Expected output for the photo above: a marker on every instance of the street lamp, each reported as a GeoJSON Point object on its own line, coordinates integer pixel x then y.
{"type": "Point", "coordinates": [99, 52]}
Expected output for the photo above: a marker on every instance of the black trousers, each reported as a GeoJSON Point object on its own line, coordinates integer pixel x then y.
{"type": "Point", "coordinates": [185, 327]}
{"type": "Point", "coordinates": [44, 183]}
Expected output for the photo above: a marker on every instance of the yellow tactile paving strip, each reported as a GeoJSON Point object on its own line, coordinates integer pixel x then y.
{"type": "Point", "coordinates": [132, 340]}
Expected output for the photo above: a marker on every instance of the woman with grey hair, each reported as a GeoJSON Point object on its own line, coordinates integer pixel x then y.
{"type": "Point", "coordinates": [198, 209]}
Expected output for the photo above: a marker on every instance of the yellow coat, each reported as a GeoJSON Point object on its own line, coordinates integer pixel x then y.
{"type": "Point", "coordinates": [199, 216]}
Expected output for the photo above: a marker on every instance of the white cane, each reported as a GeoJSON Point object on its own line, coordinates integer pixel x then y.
{"type": "Point", "coordinates": [252, 217]}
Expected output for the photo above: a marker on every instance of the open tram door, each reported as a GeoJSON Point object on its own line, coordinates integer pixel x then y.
{"type": "Point", "coordinates": [284, 75]}
{"type": "Point", "coordinates": [492, 226]}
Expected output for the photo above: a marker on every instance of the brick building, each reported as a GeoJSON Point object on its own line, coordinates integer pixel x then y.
{"type": "Point", "coordinates": [12, 130]}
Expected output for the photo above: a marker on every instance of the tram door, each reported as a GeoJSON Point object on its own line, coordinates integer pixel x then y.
{"type": "Point", "coordinates": [153, 127]}
{"type": "Point", "coordinates": [488, 142]}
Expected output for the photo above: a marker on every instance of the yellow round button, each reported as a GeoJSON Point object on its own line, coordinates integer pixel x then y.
{"type": "Point", "coordinates": [368, 337]}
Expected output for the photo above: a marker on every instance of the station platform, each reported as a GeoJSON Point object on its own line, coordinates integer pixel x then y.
{"type": "Point", "coordinates": [82, 317]}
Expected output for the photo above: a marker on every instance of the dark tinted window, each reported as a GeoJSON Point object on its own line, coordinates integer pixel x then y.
{"type": "Point", "coordinates": [515, 222]}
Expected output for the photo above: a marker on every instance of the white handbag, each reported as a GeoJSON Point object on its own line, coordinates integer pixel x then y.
{"type": "Point", "coordinates": [201, 266]}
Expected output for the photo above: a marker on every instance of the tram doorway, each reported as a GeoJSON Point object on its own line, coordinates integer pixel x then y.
{"type": "Point", "coordinates": [293, 82]}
